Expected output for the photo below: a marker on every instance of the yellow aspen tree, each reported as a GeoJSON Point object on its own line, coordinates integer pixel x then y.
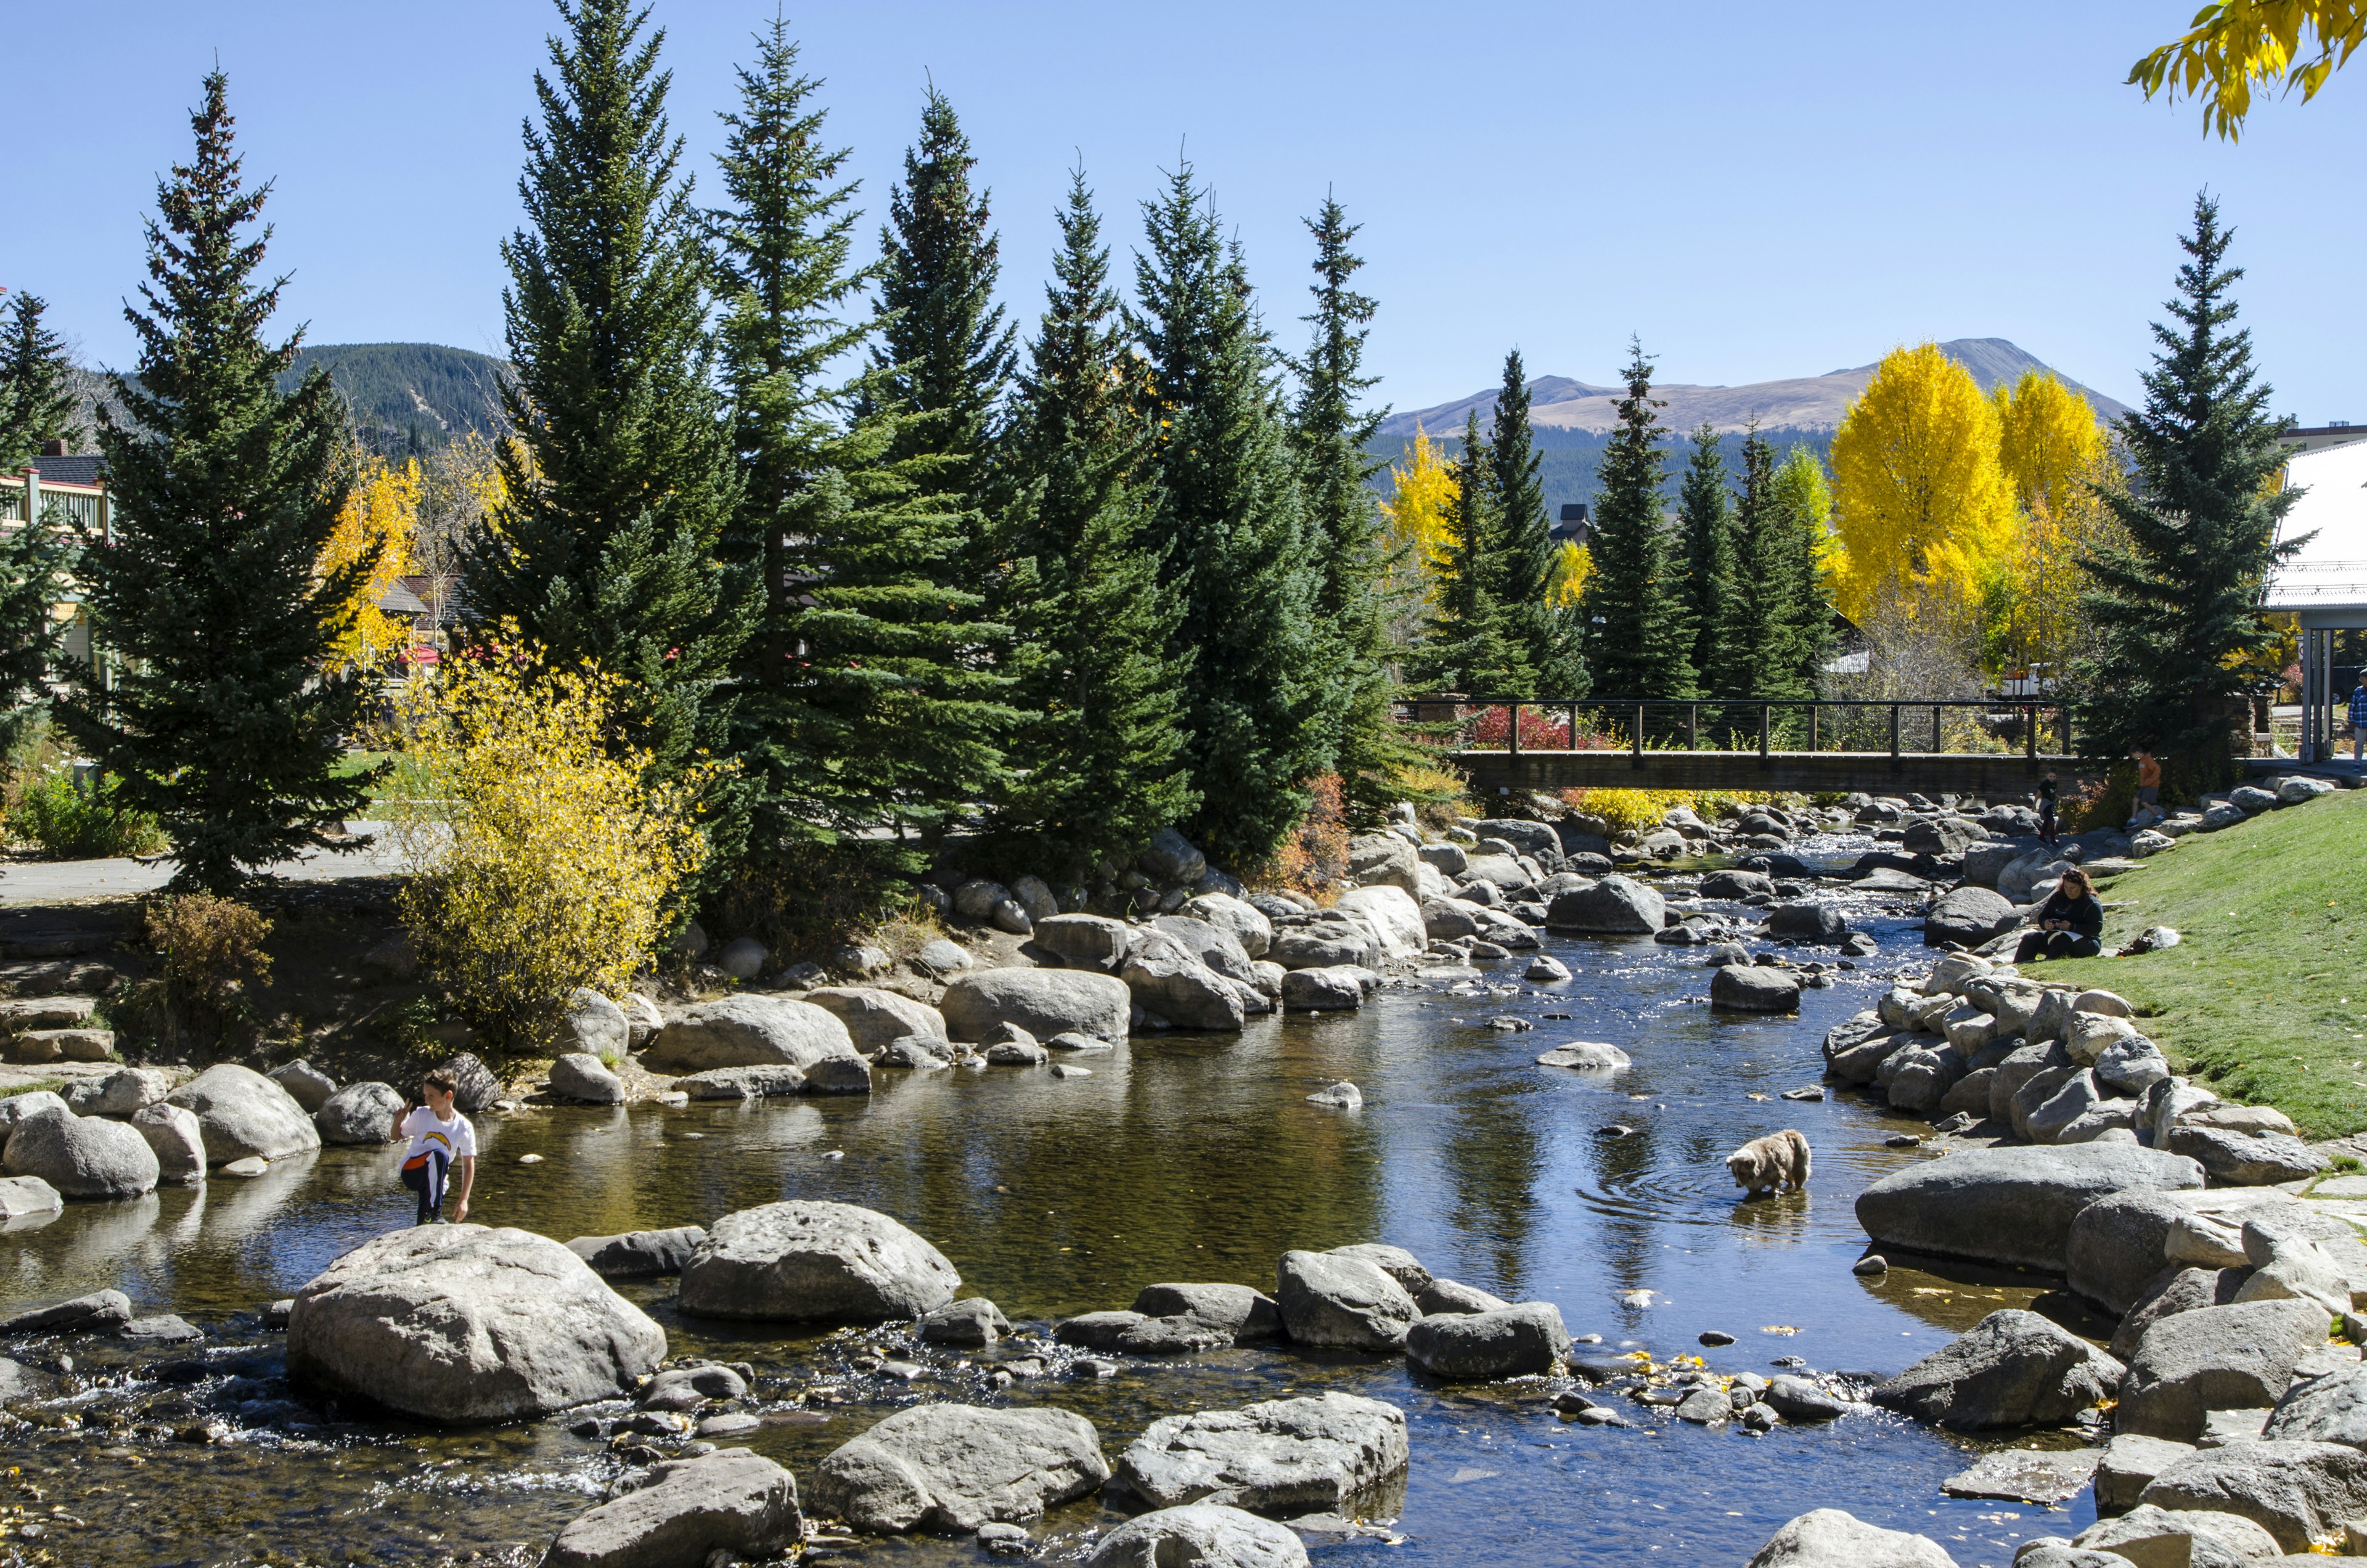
{"type": "Point", "coordinates": [2231, 44]}
{"type": "Point", "coordinates": [1566, 583]}
{"type": "Point", "coordinates": [1422, 494]}
{"type": "Point", "coordinates": [2048, 440]}
{"type": "Point", "coordinates": [381, 515]}
{"type": "Point", "coordinates": [1921, 505]}
{"type": "Point", "coordinates": [2054, 451]}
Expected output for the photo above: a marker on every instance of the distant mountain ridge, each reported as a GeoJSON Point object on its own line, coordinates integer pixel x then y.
{"type": "Point", "coordinates": [1802, 405]}
{"type": "Point", "coordinates": [410, 396]}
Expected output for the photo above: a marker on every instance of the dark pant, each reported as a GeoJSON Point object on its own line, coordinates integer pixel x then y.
{"type": "Point", "coordinates": [427, 1178]}
{"type": "Point", "coordinates": [2055, 944]}
{"type": "Point", "coordinates": [2046, 822]}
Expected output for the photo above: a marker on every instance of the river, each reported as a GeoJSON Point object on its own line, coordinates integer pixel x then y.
{"type": "Point", "coordinates": [1180, 1157]}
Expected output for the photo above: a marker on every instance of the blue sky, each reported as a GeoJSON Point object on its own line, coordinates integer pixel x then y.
{"type": "Point", "coordinates": [1757, 191]}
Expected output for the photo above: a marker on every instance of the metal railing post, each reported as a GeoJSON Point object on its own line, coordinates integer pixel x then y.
{"type": "Point", "coordinates": [1636, 741]}
{"type": "Point", "coordinates": [1693, 727]}
{"type": "Point", "coordinates": [1573, 727]}
{"type": "Point", "coordinates": [2029, 733]}
{"type": "Point", "coordinates": [1894, 732]}
{"type": "Point", "coordinates": [1513, 734]}
{"type": "Point", "coordinates": [1936, 746]}
{"type": "Point", "coordinates": [1762, 730]}
{"type": "Point", "coordinates": [1815, 711]}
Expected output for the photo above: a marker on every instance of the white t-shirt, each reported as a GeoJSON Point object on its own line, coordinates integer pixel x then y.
{"type": "Point", "coordinates": [455, 1139]}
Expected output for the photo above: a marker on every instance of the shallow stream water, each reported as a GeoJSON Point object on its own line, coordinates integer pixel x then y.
{"type": "Point", "coordinates": [1182, 1157]}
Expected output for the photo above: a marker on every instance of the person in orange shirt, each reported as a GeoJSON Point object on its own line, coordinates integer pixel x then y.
{"type": "Point", "coordinates": [2148, 811]}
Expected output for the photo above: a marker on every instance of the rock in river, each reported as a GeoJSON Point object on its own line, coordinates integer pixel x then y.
{"type": "Point", "coordinates": [463, 1324]}
{"type": "Point", "coordinates": [2239, 1356]}
{"type": "Point", "coordinates": [1831, 1538]}
{"type": "Point", "coordinates": [678, 1512]}
{"type": "Point", "coordinates": [178, 1141]}
{"type": "Point", "coordinates": [809, 1261]}
{"type": "Point", "coordinates": [1968, 916]}
{"type": "Point", "coordinates": [2298, 1492]}
{"type": "Point", "coordinates": [1249, 1315]}
{"type": "Point", "coordinates": [1044, 1002]}
{"type": "Point", "coordinates": [1284, 1456]}
{"type": "Point", "coordinates": [83, 1315]}
{"type": "Point", "coordinates": [1199, 1535]}
{"type": "Point", "coordinates": [581, 1076]}
{"type": "Point", "coordinates": [2201, 1538]}
{"type": "Point", "coordinates": [1524, 1340]}
{"type": "Point", "coordinates": [2012, 1369]}
{"type": "Point", "coordinates": [2010, 1205]}
{"type": "Point", "coordinates": [638, 1254]}
{"type": "Point", "coordinates": [2246, 1159]}
{"type": "Point", "coordinates": [82, 1156]}
{"type": "Point", "coordinates": [1348, 1302]}
{"type": "Point", "coordinates": [747, 1032]}
{"type": "Point", "coordinates": [875, 1018]}
{"type": "Point", "coordinates": [24, 1196]}
{"type": "Point", "coordinates": [1616, 906]}
{"type": "Point", "coordinates": [243, 1113]}
{"type": "Point", "coordinates": [1751, 987]}
{"type": "Point", "coordinates": [956, 1467]}
{"type": "Point", "coordinates": [359, 1113]}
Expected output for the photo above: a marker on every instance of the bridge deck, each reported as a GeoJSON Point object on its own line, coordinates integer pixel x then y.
{"type": "Point", "coordinates": [1997, 776]}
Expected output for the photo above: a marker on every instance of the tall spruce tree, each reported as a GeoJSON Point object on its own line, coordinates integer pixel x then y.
{"type": "Point", "coordinates": [1707, 522]}
{"type": "Point", "coordinates": [1332, 431]}
{"type": "Point", "coordinates": [1802, 504]}
{"type": "Point", "coordinates": [1229, 525]}
{"type": "Point", "coordinates": [1468, 644]}
{"type": "Point", "coordinates": [1102, 690]}
{"type": "Point", "coordinates": [1547, 637]}
{"type": "Point", "coordinates": [223, 718]}
{"type": "Point", "coordinates": [620, 480]}
{"type": "Point", "coordinates": [861, 703]}
{"type": "Point", "coordinates": [37, 398]}
{"type": "Point", "coordinates": [2177, 605]}
{"type": "Point", "coordinates": [1639, 641]}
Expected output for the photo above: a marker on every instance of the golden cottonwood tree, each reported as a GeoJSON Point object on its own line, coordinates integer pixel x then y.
{"type": "Point", "coordinates": [380, 515]}
{"type": "Point", "coordinates": [1422, 494]}
{"type": "Point", "coordinates": [1921, 505]}
{"type": "Point", "coordinates": [2048, 440]}
{"type": "Point", "coordinates": [1566, 584]}
{"type": "Point", "coordinates": [2232, 43]}
{"type": "Point", "coordinates": [2055, 453]}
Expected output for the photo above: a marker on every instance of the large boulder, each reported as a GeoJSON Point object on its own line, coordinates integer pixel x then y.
{"type": "Point", "coordinates": [2010, 1205]}
{"type": "Point", "coordinates": [23, 1197]}
{"type": "Point", "coordinates": [309, 1085]}
{"type": "Point", "coordinates": [681, 1510]}
{"type": "Point", "coordinates": [638, 1254]}
{"type": "Point", "coordinates": [2127, 1467]}
{"type": "Point", "coordinates": [1249, 1315]}
{"type": "Point", "coordinates": [118, 1093]}
{"type": "Point", "coordinates": [749, 1031]}
{"type": "Point", "coordinates": [2246, 1159]}
{"type": "Point", "coordinates": [2298, 1492]}
{"type": "Point", "coordinates": [2239, 1356]}
{"type": "Point", "coordinates": [1327, 1299]}
{"type": "Point", "coordinates": [243, 1113]}
{"type": "Point", "coordinates": [1616, 906]}
{"type": "Point", "coordinates": [1807, 920]}
{"type": "Point", "coordinates": [1829, 1537]}
{"type": "Point", "coordinates": [1524, 1340]}
{"type": "Point", "coordinates": [1198, 940]}
{"type": "Point", "coordinates": [810, 1261]}
{"type": "Point", "coordinates": [2329, 1406]}
{"type": "Point", "coordinates": [1044, 1002]}
{"type": "Point", "coordinates": [1171, 857]}
{"type": "Point", "coordinates": [455, 1325]}
{"type": "Point", "coordinates": [478, 1085]}
{"type": "Point", "coordinates": [1093, 940]}
{"type": "Point", "coordinates": [876, 1020]}
{"type": "Point", "coordinates": [1736, 885]}
{"type": "Point", "coordinates": [177, 1141]}
{"type": "Point", "coordinates": [1967, 916]}
{"type": "Point", "coordinates": [1323, 946]}
{"type": "Point", "coordinates": [1383, 860]}
{"type": "Point", "coordinates": [594, 1025]}
{"type": "Point", "coordinates": [1754, 988]}
{"type": "Point", "coordinates": [1392, 914]}
{"type": "Point", "coordinates": [1180, 988]}
{"type": "Point", "coordinates": [82, 1156]}
{"type": "Point", "coordinates": [581, 1077]}
{"type": "Point", "coordinates": [957, 1467]}
{"type": "Point", "coordinates": [2012, 1369]}
{"type": "Point", "coordinates": [1199, 1535]}
{"type": "Point", "coordinates": [1284, 1456]}
{"type": "Point", "coordinates": [2155, 1537]}
{"type": "Point", "coordinates": [1244, 922]}
{"type": "Point", "coordinates": [359, 1113]}
{"type": "Point", "coordinates": [1337, 989]}
{"type": "Point", "coordinates": [2114, 1251]}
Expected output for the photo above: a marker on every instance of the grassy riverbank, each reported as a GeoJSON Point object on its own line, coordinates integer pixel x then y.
{"type": "Point", "coordinates": [2266, 999]}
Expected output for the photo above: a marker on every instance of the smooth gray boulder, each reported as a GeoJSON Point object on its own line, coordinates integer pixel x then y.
{"type": "Point", "coordinates": [1616, 906]}
{"type": "Point", "coordinates": [692, 1386]}
{"type": "Point", "coordinates": [118, 1093]}
{"type": "Point", "coordinates": [2129, 1463]}
{"type": "Point", "coordinates": [1171, 857]}
{"type": "Point", "coordinates": [1212, 945]}
{"type": "Point", "coordinates": [1250, 1316]}
{"type": "Point", "coordinates": [594, 1025]}
{"type": "Point", "coordinates": [1284, 1456]}
{"type": "Point", "coordinates": [1967, 916]}
{"type": "Point", "coordinates": [243, 1113]}
{"type": "Point", "coordinates": [972, 1320]}
{"type": "Point", "coordinates": [681, 1510]}
{"type": "Point", "coordinates": [177, 1141]}
{"type": "Point", "coordinates": [1395, 1261]}
{"type": "Point", "coordinates": [956, 1467]}
{"type": "Point", "coordinates": [2012, 1369]}
{"type": "Point", "coordinates": [2174, 1291]}
{"type": "Point", "coordinates": [2010, 1205]}
{"type": "Point", "coordinates": [460, 1323]}
{"type": "Point", "coordinates": [810, 1261]}
{"type": "Point", "coordinates": [1135, 1334]}
{"type": "Point", "coordinates": [2329, 1407]}
{"type": "Point", "coordinates": [2246, 1159]}
{"type": "Point", "coordinates": [1244, 922]}
{"type": "Point", "coordinates": [22, 1197]}
{"type": "Point", "coordinates": [1828, 1538]}
{"type": "Point", "coordinates": [1183, 990]}
{"type": "Point", "coordinates": [584, 1078]}
{"type": "Point", "coordinates": [777, 1079]}
{"type": "Point", "coordinates": [875, 1018]}
{"type": "Point", "coordinates": [2239, 1356]}
{"type": "Point", "coordinates": [1452, 1295]}
{"type": "Point", "coordinates": [15, 1108]}
{"type": "Point", "coordinates": [81, 1314]}
{"type": "Point", "coordinates": [1754, 987]}
{"type": "Point", "coordinates": [2298, 1492]}
{"type": "Point", "coordinates": [1044, 1002]}
{"type": "Point", "coordinates": [479, 1088]}
{"type": "Point", "coordinates": [1094, 941]}
{"type": "Point", "coordinates": [82, 1156]}
{"type": "Point", "coordinates": [1332, 988]}
{"type": "Point", "coordinates": [1327, 1299]}
{"type": "Point", "coordinates": [358, 1114]}
{"type": "Point", "coordinates": [2114, 1251]}
{"type": "Point", "coordinates": [748, 1030]}
{"type": "Point", "coordinates": [1199, 1535]}
{"type": "Point", "coordinates": [638, 1254]}
{"type": "Point", "coordinates": [1323, 947]}
{"type": "Point", "coordinates": [1524, 1341]}
{"type": "Point", "coordinates": [308, 1084]}
{"type": "Point", "coordinates": [2154, 1537]}
{"type": "Point", "coordinates": [1807, 920]}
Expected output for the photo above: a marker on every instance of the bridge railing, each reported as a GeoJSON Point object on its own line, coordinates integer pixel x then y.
{"type": "Point", "coordinates": [1768, 725]}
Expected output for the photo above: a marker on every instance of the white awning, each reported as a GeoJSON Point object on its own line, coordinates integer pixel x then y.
{"type": "Point", "coordinates": [2326, 582]}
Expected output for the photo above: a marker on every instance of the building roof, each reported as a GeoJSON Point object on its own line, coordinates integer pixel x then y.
{"type": "Point", "coordinates": [2326, 582]}
{"type": "Point", "coordinates": [89, 470]}
{"type": "Point", "coordinates": [399, 600]}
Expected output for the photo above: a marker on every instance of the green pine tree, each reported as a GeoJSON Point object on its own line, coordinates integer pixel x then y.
{"type": "Point", "coordinates": [1104, 692]}
{"type": "Point", "coordinates": [620, 479]}
{"type": "Point", "coordinates": [222, 719]}
{"type": "Point", "coordinates": [36, 398]}
{"type": "Point", "coordinates": [1802, 504]}
{"type": "Point", "coordinates": [1639, 639]}
{"type": "Point", "coordinates": [1227, 520]}
{"type": "Point", "coordinates": [1548, 638]}
{"type": "Point", "coordinates": [1758, 645]}
{"type": "Point", "coordinates": [1707, 522]}
{"type": "Point", "coordinates": [2176, 607]}
{"type": "Point", "coordinates": [1468, 644]}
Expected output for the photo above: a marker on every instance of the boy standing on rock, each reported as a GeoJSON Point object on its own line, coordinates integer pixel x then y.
{"type": "Point", "coordinates": [440, 1138]}
{"type": "Point", "coordinates": [2148, 809]}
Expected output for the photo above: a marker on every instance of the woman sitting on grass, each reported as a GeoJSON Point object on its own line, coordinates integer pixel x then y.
{"type": "Point", "coordinates": [2070, 923]}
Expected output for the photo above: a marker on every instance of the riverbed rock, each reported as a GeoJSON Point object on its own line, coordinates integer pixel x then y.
{"type": "Point", "coordinates": [2154, 1537]}
{"type": "Point", "coordinates": [2295, 1491]}
{"type": "Point", "coordinates": [812, 1261]}
{"type": "Point", "coordinates": [1199, 1535]}
{"type": "Point", "coordinates": [1967, 916]}
{"type": "Point", "coordinates": [1322, 946]}
{"type": "Point", "coordinates": [243, 1113]}
{"type": "Point", "coordinates": [1393, 916]}
{"type": "Point", "coordinates": [956, 1467]}
{"type": "Point", "coordinates": [875, 1019]}
{"type": "Point", "coordinates": [2114, 1251]}
{"type": "Point", "coordinates": [779, 1078]}
{"type": "Point", "coordinates": [1616, 906]}
{"type": "Point", "coordinates": [1751, 987]}
{"type": "Point", "coordinates": [2130, 1462]}
{"type": "Point", "coordinates": [584, 1078]}
{"type": "Point", "coordinates": [1334, 989]}
{"type": "Point", "coordinates": [458, 1324]}
{"type": "Point", "coordinates": [1134, 1333]}
{"type": "Point", "coordinates": [749, 1031]}
{"type": "Point", "coordinates": [2030, 1475]}
{"type": "Point", "coordinates": [2239, 1356]}
{"type": "Point", "coordinates": [308, 1084]}
{"type": "Point", "coordinates": [477, 1087]}
{"type": "Point", "coordinates": [2012, 1369]}
{"type": "Point", "coordinates": [1452, 1296]}
{"type": "Point", "coordinates": [594, 1025]}
{"type": "Point", "coordinates": [99, 1312]}
{"type": "Point", "coordinates": [1586, 1056]}
{"type": "Point", "coordinates": [1828, 1538]}
{"type": "Point", "coordinates": [1182, 989]}
{"type": "Point", "coordinates": [118, 1093]}
{"type": "Point", "coordinates": [1044, 1002]}
{"type": "Point", "coordinates": [2246, 1159]}
{"type": "Point", "coordinates": [1238, 918]}
{"type": "Point", "coordinates": [2174, 1291]}
{"type": "Point", "coordinates": [1282, 1456]}
{"type": "Point", "coordinates": [175, 1139]}
{"type": "Point", "coordinates": [1250, 1316]}
{"type": "Point", "coordinates": [82, 1156]}
{"type": "Point", "coordinates": [1524, 1340]}
{"type": "Point", "coordinates": [1327, 1299]}
{"type": "Point", "coordinates": [22, 1197]}
{"type": "Point", "coordinates": [680, 1511]}
{"type": "Point", "coordinates": [1807, 920]}
{"type": "Point", "coordinates": [1171, 857]}
{"type": "Point", "coordinates": [638, 1254]}
{"type": "Point", "coordinates": [359, 1114]}
{"type": "Point", "coordinates": [2010, 1205]}
{"type": "Point", "coordinates": [971, 1321]}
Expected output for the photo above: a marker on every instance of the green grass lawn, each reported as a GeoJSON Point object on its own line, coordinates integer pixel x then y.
{"type": "Point", "coordinates": [353, 762]}
{"type": "Point", "coordinates": [2266, 999]}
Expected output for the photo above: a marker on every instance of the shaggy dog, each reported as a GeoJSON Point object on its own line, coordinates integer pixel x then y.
{"type": "Point", "coordinates": [1764, 1165]}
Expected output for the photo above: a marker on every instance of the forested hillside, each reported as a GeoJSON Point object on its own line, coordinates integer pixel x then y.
{"type": "Point", "coordinates": [410, 396]}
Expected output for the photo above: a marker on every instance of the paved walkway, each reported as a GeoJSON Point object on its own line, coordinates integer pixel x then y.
{"type": "Point", "coordinates": [57, 881]}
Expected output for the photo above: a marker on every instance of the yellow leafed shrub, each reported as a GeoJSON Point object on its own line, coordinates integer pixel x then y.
{"type": "Point", "coordinates": [542, 858]}
{"type": "Point", "coordinates": [1637, 810]}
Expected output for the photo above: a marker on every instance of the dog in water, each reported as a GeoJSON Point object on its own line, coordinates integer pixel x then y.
{"type": "Point", "coordinates": [1764, 1165]}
